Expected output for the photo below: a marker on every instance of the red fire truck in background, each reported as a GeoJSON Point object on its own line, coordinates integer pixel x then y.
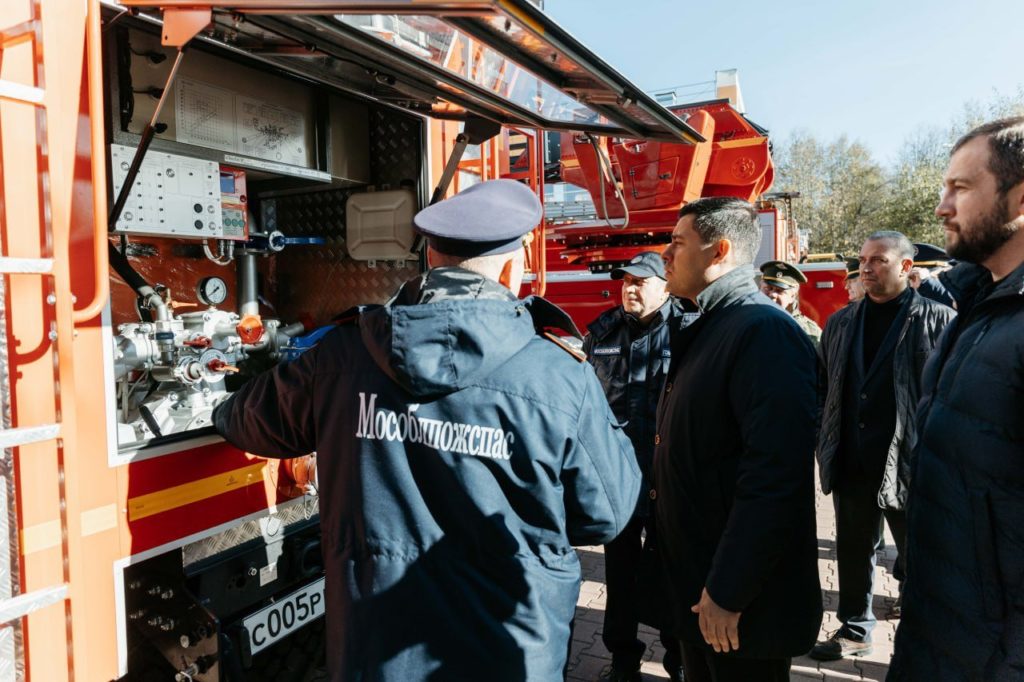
{"type": "Point", "coordinates": [174, 221]}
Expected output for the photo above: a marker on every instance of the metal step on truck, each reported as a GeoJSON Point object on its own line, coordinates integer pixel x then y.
{"type": "Point", "coordinates": [189, 192]}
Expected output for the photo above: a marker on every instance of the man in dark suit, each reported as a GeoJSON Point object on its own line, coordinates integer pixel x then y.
{"type": "Point", "coordinates": [873, 353]}
{"type": "Point", "coordinates": [734, 459]}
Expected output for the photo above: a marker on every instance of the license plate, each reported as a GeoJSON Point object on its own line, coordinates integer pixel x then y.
{"type": "Point", "coordinates": [285, 616]}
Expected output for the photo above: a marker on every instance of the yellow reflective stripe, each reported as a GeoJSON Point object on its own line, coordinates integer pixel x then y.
{"type": "Point", "coordinates": [40, 536]}
{"type": "Point", "coordinates": [98, 520]}
{"type": "Point", "coordinates": [744, 142]}
{"type": "Point", "coordinates": [194, 491]}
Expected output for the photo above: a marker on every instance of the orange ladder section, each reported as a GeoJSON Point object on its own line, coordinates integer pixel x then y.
{"type": "Point", "coordinates": [40, 462]}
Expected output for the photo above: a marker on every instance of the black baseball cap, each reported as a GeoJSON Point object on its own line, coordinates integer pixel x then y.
{"type": "Point", "coordinates": [644, 264]}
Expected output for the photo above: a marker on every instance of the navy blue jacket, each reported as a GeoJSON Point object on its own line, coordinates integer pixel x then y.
{"type": "Point", "coordinates": [734, 471]}
{"type": "Point", "coordinates": [461, 455]}
{"type": "Point", "coordinates": [631, 363]}
{"type": "Point", "coordinates": [963, 602]}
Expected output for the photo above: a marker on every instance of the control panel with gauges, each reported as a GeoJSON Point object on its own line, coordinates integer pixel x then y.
{"type": "Point", "coordinates": [177, 352]}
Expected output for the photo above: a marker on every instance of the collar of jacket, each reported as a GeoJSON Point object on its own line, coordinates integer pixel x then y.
{"type": "Point", "coordinates": [730, 287]}
{"type": "Point", "coordinates": [611, 319]}
{"type": "Point", "coordinates": [450, 283]}
{"type": "Point", "coordinates": [967, 280]}
{"type": "Point", "coordinates": [908, 298]}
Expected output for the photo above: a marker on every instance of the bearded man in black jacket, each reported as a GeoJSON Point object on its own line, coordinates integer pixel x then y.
{"type": "Point", "coordinates": [963, 617]}
{"type": "Point", "coordinates": [734, 459]}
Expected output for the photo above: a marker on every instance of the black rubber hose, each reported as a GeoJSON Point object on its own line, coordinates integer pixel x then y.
{"type": "Point", "coordinates": [122, 267]}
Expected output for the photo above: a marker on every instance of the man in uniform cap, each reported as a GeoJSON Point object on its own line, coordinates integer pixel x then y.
{"type": "Point", "coordinates": [780, 281]}
{"type": "Point", "coordinates": [854, 288]}
{"type": "Point", "coordinates": [929, 262]}
{"type": "Point", "coordinates": [628, 346]}
{"type": "Point", "coordinates": [463, 451]}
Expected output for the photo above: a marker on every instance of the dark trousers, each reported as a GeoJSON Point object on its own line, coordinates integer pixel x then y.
{"type": "Point", "coordinates": [858, 531]}
{"type": "Point", "coordinates": [701, 664]}
{"type": "Point", "coordinates": [621, 616]}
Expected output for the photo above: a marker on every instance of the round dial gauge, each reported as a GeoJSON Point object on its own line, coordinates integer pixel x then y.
{"type": "Point", "coordinates": [212, 290]}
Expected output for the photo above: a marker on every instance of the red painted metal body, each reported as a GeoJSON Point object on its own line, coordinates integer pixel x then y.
{"type": "Point", "coordinates": [637, 188]}
{"type": "Point", "coordinates": [825, 290]}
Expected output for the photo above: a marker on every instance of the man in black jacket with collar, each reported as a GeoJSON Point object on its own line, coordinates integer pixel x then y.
{"type": "Point", "coordinates": [628, 346]}
{"type": "Point", "coordinates": [963, 617]}
{"type": "Point", "coordinates": [734, 459]}
{"type": "Point", "coordinates": [873, 353]}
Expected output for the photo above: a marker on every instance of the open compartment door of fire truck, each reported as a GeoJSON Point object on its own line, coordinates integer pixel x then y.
{"type": "Point", "coordinates": [245, 190]}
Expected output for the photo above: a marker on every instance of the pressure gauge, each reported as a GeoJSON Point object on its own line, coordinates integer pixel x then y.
{"type": "Point", "coordinates": [212, 290]}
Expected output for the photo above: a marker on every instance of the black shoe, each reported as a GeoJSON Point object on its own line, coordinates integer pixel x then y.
{"type": "Point", "coordinates": [836, 647]}
{"type": "Point", "coordinates": [896, 610]}
{"type": "Point", "coordinates": [676, 675]}
{"type": "Point", "coordinates": [618, 675]}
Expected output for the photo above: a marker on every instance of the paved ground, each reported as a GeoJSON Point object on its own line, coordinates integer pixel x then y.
{"type": "Point", "coordinates": [589, 658]}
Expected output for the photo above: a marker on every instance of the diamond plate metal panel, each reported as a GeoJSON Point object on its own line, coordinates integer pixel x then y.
{"type": "Point", "coordinates": [267, 527]}
{"type": "Point", "coordinates": [319, 282]}
{"type": "Point", "coordinates": [7, 649]}
{"type": "Point", "coordinates": [395, 148]}
{"type": "Point", "coordinates": [12, 663]}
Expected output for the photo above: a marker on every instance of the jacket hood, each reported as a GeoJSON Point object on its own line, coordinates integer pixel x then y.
{"type": "Point", "coordinates": [436, 348]}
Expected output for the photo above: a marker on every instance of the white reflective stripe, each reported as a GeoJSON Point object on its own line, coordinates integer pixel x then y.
{"type": "Point", "coordinates": [571, 276]}
{"type": "Point", "coordinates": [24, 604]}
{"type": "Point", "coordinates": [27, 266]}
{"type": "Point", "coordinates": [16, 92]}
{"type": "Point", "coordinates": [12, 438]}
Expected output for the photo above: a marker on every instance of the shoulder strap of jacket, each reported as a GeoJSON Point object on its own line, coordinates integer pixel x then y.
{"type": "Point", "coordinates": [547, 315]}
{"type": "Point", "coordinates": [566, 346]}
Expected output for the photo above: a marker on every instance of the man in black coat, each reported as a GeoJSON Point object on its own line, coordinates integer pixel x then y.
{"type": "Point", "coordinates": [873, 353]}
{"type": "Point", "coordinates": [963, 612]}
{"type": "Point", "coordinates": [628, 346]}
{"type": "Point", "coordinates": [734, 459]}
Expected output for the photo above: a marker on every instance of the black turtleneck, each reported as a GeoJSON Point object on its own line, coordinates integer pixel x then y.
{"type": "Point", "coordinates": [878, 317]}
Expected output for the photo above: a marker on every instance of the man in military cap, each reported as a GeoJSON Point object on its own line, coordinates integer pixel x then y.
{"type": "Point", "coordinates": [854, 288]}
{"type": "Point", "coordinates": [780, 281]}
{"type": "Point", "coordinates": [629, 349]}
{"type": "Point", "coordinates": [929, 262]}
{"type": "Point", "coordinates": [463, 451]}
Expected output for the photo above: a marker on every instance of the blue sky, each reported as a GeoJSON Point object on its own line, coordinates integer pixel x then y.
{"type": "Point", "coordinates": [876, 70]}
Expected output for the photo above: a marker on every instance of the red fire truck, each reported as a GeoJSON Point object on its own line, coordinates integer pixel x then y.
{"type": "Point", "coordinates": [175, 220]}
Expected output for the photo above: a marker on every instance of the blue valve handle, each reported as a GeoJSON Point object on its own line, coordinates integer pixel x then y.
{"type": "Point", "coordinates": [281, 240]}
{"type": "Point", "coordinates": [276, 241]}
